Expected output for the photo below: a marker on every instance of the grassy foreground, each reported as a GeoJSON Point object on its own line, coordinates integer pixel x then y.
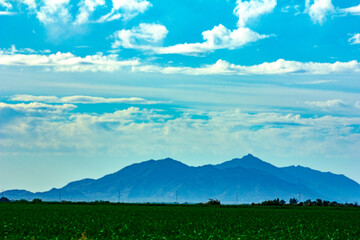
{"type": "Point", "coordinates": [126, 221]}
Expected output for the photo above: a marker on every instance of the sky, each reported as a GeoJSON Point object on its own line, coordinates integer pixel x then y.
{"type": "Point", "coordinates": [88, 87]}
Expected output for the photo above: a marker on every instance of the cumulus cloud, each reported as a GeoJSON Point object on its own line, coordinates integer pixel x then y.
{"type": "Point", "coordinates": [145, 131]}
{"type": "Point", "coordinates": [67, 62]}
{"type": "Point", "coordinates": [57, 11]}
{"type": "Point", "coordinates": [146, 37]}
{"type": "Point", "coordinates": [249, 10]}
{"type": "Point", "coordinates": [217, 38]}
{"type": "Point", "coordinates": [140, 37]}
{"type": "Point", "coordinates": [319, 9]}
{"type": "Point", "coordinates": [80, 99]}
{"type": "Point", "coordinates": [333, 103]}
{"type": "Point", "coordinates": [355, 10]}
{"type": "Point", "coordinates": [280, 66]}
{"type": "Point", "coordinates": [63, 12]}
{"type": "Point", "coordinates": [355, 39]}
{"type": "Point", "coordinates": [86, 8]}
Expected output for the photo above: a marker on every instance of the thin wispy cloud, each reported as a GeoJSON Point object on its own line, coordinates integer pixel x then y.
{"type": "Point", "coordinates": [355, 10]}
{"type": "Point", "coordinates": [125, 9]}
{"type": "Point", "coordinates": [35, 107]}
{"type": "Point", "coordinates": [355, 39]}
{"type": "Point", "coordinates": [333, 103]}
{"type": "Point", "coordinates": [315, 82]}
{"type": "Point", "coordinates": [81, 99]}
{"type": "Point", "coordinates": [6, 4]}
{"type": "Point", "coordinates": [281, 66]}
{"type": "Point", "coordinates": [6, 13]}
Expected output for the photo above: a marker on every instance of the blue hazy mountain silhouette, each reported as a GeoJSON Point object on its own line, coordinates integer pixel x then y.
{"type": "Point", "coordinates": [246, 180]}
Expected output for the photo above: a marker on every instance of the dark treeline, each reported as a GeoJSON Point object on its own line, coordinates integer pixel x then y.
{"type": "Point", "coordinates": [309, 202]}
{"type": "Point", "coordinates": [275, 202]}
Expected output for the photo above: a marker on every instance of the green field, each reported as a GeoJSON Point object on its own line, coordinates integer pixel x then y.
{"type": "Point", "coordinates": [125, 221]}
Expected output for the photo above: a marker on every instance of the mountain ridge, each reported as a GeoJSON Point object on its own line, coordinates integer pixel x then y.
{"type": "Point", "coordinates": [250, 179]}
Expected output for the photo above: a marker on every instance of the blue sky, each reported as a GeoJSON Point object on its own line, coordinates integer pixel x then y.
{"type": "Point", "coordinates": [88, 87]}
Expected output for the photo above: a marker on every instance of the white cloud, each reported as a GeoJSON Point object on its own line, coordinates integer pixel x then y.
{"type": "Point", "coordinates": [355, 10]}
{"type": "Point", "coordinates": [87, 7]}
{"type": "Point", "coordinates": [146, 35]}
{"type": "Point", "coordinates": [355, 39]}
{"type": "Point", "coordinates": [125, 9]}
{"type": "Point", "coordinates": [217, 38]}
{"type": "Point", "coordinates": [14, 50]}
{"type": "Point", "coordinates": [357, 105]}
{"type": "Point", "coordinates": [249, 10]}
{"type": "Point", "coordinates": [316, 82]}
{"type": "Point", "coordinates": [6, 13]}
{"type": "Point", "coordinates": [54, 11]}
{"type": "Point", "coordinates": [150, 131]}
{"type": "Point", "coordinates": [281, 66]}
{"type": "Point", "coordinates": [35, 107]}
{"type": "Point", "coordinates": [31, 4]}
{"type": "Point", "coordinates": [62, 12]}
{"type": "Point", "coordinates": [80, 99]}
{"type": "Point", "coordinates": [5, 4]}
{"type": "Point", "coordinates": [319, 9]}
{"type": "Point", "coordinates": [140, 37]}
{"type": "Point", "coordinates": [291, 8]}
{"type": "Point", "coordinates": [333, 103]}
{"type": "Point", "coordinates": [67, 62]}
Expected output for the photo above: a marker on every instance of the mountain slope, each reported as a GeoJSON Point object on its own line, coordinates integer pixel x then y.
{"type": "Point", "coordinates": [336, 186]}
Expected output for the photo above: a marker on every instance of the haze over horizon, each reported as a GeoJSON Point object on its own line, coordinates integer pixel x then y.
{"type": "Point", "coordinates": [88, 87]}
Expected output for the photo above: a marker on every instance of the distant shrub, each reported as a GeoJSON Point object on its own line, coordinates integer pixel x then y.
{"type": "Point", "coordinates": [36, 200]}
{"type": "Point", "coordinates": [4, 199]}
{"type": "Point", "coordinates": [275, 202]}
{"type": "Point", "coordinates": [213, 202]}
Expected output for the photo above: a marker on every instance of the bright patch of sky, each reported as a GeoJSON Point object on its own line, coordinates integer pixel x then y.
{"type": "Point", "coordinates": [99, 84]}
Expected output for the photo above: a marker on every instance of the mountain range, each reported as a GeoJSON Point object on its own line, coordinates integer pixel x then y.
{"type": "Point", "coordinates": [240, 180]}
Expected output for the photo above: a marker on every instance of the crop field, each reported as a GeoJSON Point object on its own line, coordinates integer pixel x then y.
{"type": "Point", "coordinates": [126, 221]}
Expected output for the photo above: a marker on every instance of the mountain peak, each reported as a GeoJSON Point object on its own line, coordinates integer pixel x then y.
{"type": "Point", "coordinates": [250, 157]}
{"type": "Point", "coordinates": [169, 162]}
{"type": "Point", "coordinates": [248, 161]}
